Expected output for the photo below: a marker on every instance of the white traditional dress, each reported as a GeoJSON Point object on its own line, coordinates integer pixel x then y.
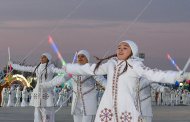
{"type": "Point", "coordinates": [4, 95]}
{"type": "Point", "coordinates": [84, 101]}
{"type": "Point", "coordinates": [18, 96]}
{"type": "Point", "coordinates": [41, 99]}
{"type": "Point", "coordinates": [11, 98]}
{"type": "Point", "coordinates": [25, 96]}
{"type": "Point", "coordinates": [144, 98]}
{"type": "Point", "coordinates": [118, 101]}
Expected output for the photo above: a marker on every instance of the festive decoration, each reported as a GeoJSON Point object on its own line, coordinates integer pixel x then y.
{"type": "Point", "coordinates": [53, 45]}
{"type": "Point", "coordinates": [75, 57]}
{"type": "Point", "coordinates": [180, 84]}
{"type": "Point", "coordinates": [9, 67]}
{"type": "Point", "coordinates": [188, 81]}
{"type": "Point", "coordinates": [173, 62]}
{"type": "Point", "coordinates": [177, 84]}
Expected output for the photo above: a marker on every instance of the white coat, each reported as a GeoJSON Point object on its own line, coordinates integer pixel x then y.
{"type": "Point", "coordinates": [40, 97]}
{"type": "Point", "coordinates": [25, 96]}
{"type": "Point", "coordinates": [4, 95]}
{"type": "Point", "coordinates": [18, 96]}
{"type": "Point", "coordinates": [118, 101]}
{"type": "Point", "coordinates": [84, 91]}
{"type": "Point", "coordinates": [12, 95]}
{"type": "Point", "coordinates": [145, 96]}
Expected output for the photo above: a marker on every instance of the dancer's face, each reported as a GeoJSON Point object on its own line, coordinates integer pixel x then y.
{"type": "Point", "coordinates": [43, 59]}
{"type": "Point", "coordinates": [81, 59]}
{"type": "Point", "coordinates": [123, 51]}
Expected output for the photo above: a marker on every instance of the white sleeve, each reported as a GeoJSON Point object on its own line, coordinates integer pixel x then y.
{"type": "Point", "coordinates": [57, 70]}
{"type": "Point", "coordinates": [155, 74]}
{"type": "Point", "coordinates": [100, 79]}
{"type": "Point", "coordinates": [86, 69]}
{"type": "Point", "coordinates": [57, 80]}
{"type": "Point", "coordinates": [23, 68]}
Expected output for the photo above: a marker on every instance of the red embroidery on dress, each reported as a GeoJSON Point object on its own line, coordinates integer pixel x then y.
{"type": "Point", "coordinates": [126, 117]}
{"type": "Point", "coordinates": [45, 96]}
{"type": "Point", "coordinates": [115, 90]}
{"type": "Point", "coordinates": [35, 96]}
{"type": "Point", "coordinates": [79, 91]}
{"type": "Point", "coordinates": [106, 115]}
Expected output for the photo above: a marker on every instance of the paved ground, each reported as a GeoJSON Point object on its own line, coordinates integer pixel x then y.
{"type": "Point", "coordinates": [161, 114]}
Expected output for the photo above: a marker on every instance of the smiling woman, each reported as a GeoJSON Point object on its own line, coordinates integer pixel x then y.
{"type": "Point", "coordinates": [119, 102]}
{"type": "Point", "coordinates": [96, 25]}
{"type": "Point", "coordinates": [41, 99]}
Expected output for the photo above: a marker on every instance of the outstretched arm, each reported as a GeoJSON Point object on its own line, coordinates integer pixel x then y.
{"type": "Point", "coordinates": [155, 74]}
{"type": "Point", "coordinates": [57, 80]}
{"type": "Point", "coordinates": [58, 70]}
{"type": "Point", "coordinates": [87, 69]}
{"type": "Point", "coordinates": [22, 68]}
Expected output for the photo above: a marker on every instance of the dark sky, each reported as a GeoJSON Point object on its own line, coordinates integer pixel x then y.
{"type": "Point", "coordinates": [95, 25]}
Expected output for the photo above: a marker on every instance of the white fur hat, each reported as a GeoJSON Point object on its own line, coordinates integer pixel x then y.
{"type": "Point", "coordinates": [86, 53]}
{"type": "Point", "coordinates": [49, 57]}
{"type": "Point", "coordinates": [133, 46]}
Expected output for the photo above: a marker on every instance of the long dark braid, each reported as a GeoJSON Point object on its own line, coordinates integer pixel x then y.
{"type": "Point", "coordinates": [114, 55]}
{"type": "Point", "coordinates": [46, 69]}
{"type": "Point", "coordinates": [33, 83]}
{"type": "Point", "coordinates": [127, 64]}
{"type": "Point", "coordinates": [35, 69]}
{"type": "Point", "coordinates": [101, 60]}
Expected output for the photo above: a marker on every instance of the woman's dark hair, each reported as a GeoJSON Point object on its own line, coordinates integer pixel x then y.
{"type": "Point", "coordinates": [101, 60]}
{"type": "Point", "coordinates": [45, 69]}
{"type": "Point", "coordinates": [114, 55]}
{"type": "Point", "coordinates": [35, 69]}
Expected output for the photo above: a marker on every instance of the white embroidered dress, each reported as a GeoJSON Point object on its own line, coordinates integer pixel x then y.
{"type": "Point", "coordinates": [40, 97]}
{"type": "Point", "coordinates": [84, 101]}
{"type": "Point", "coordinates": [118, 101]}
{"type": "Point", "coordinates": [145, 96]}
{"type": "Point", "coordinates": [85, 93]}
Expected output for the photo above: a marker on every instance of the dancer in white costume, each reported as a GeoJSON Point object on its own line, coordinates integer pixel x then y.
{"type": "Point", "coordinates": [123, 72]}
{"type": "Point", "coordinates": [172, 97]}
{"type": "Point", "coordinates": [25, 96]}
{"type": "Point", "coordinates": [11, 100]}
{"type": "Point", "coordinates": [18, 96]}
{"type": "Point", "coordinates": [41, 99]}
{"type": "Point", "coordinates": [144, 97]}
{"type": "Point", "coordinates": [4, 95]}
{"type": "Point", "coordinates": [84, 102]}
